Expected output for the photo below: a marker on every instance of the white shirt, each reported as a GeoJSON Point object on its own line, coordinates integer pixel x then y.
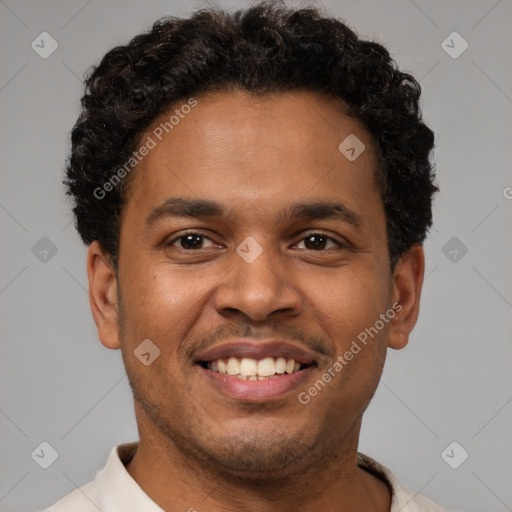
{"type": "Point", "coordinates": [114, 490]}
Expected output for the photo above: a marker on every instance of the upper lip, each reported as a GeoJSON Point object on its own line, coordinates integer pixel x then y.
{"type": "Point", "coordinates": [257, 349]}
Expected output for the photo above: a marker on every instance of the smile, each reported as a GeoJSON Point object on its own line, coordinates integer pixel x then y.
{"type": "Point", "coordinates": [252, 370]}
{"type": "Point", "coordinates": [255, 369]}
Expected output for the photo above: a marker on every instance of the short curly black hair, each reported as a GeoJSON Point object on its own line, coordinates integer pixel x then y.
{"type": "Point", "coordinates": [263, 49]}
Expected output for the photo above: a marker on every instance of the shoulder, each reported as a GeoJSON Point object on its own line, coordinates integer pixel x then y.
{"type": "Point", "coordinates": [414, 502]}
{"type": "Point", "coordinates": [89, 497]}
{"type": "Point", "coordinates": [403, 500]}
{"type": "Point", "coordinates": [83, 499]}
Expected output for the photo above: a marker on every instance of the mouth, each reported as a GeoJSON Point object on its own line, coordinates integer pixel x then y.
{"type": "Point", "coordinates": [256, 371]}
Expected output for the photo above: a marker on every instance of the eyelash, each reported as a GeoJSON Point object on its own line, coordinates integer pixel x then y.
{"type": "Point", "coordinates": [311, 233]}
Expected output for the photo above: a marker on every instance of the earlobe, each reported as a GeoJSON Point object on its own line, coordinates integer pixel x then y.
{"type": "Point", "coordinates": [103, 295]}
{"type": "Point", "coordinates": [407, 283]}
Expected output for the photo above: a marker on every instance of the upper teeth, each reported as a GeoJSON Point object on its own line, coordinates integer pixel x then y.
{"type": "Point", "coordinates": [248, 367]}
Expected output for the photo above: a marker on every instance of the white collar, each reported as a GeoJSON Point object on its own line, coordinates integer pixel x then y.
{"type": "Point", "coordinates": [115, 490]}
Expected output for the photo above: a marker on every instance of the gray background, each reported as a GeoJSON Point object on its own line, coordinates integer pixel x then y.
{"type": "Point", "coordinates": [452, 383]}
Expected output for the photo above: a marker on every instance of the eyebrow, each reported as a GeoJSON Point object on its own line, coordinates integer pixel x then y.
{"type": "Point", "coordinates": [198, 208]}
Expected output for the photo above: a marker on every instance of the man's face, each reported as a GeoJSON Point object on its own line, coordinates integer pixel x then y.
{"type": "Point", "coordinates": [319, 281]}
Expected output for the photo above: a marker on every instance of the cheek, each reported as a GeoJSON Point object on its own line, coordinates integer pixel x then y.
{"type": "Point", "coordinates": [160, 306]}
{"type": "Point", "coordinates": [348, 301]}
{"type": "Point", "coordinates": [348, 308]}
{"type": "Point", "coordinates": [161, 303]}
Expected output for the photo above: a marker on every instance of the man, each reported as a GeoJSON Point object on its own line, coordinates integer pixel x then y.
{"type": "Point", "coordinates": [255, 189]}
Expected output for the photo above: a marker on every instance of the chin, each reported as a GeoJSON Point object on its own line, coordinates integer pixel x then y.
{"type": "Point", "coordinates": [255, 455]}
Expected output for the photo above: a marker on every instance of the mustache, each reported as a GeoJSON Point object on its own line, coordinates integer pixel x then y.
{"type": "Point", "coordinates": [278, 330]}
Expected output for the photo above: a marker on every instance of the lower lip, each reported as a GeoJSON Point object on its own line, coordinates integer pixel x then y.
{"type": "Point", "coordinates": [256, 390]}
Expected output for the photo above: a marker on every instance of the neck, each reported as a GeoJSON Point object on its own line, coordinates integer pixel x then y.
{"type": "Point", "coordinates": [176, 480]}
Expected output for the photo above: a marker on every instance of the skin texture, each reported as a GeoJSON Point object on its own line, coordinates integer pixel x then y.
{"type": "Point", "coordinates": [198, 447]}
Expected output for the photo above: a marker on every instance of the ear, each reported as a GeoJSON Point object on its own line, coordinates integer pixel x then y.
{"type": "Point", "coordinates": [406, 291]}
{"type": "Point", "coordinates": [103, 295]}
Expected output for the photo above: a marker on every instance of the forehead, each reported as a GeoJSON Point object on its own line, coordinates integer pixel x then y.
{"type": "Point", "coordinates": [252, 152]}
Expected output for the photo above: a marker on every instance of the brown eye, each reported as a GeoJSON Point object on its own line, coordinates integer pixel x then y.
{"type": "Point", "coordinates": [189, 241]}
{"type": "Point", "coordinates": [318, 241]}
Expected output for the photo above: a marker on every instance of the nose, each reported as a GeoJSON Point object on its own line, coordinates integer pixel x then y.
{"type": "Point", "coordinates": [258, 288]}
